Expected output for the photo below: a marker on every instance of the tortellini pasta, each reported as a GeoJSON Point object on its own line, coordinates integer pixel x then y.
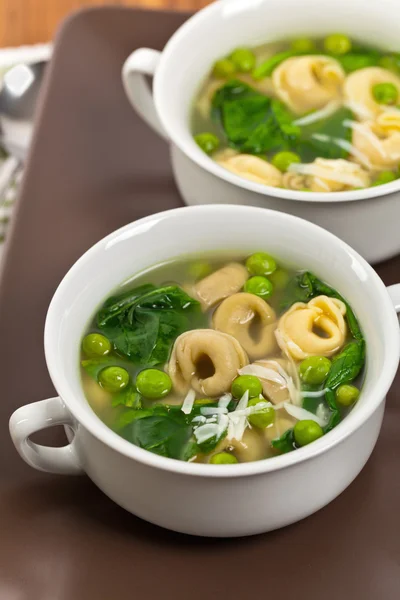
{"type": "Point", "coordinates": [294, 181]}
{"type": "Point", "coordinates": [332, 175]}
{"type": "Point", "coordinates": [221, 284]}
{"type": "Point", "coordinates": [205, 360]}
{"type": "Point", "coordinates": [254, 168]}
{"type": "Point", "coordinates": [309, 82]}
{"type": "Point", "coordinates": [314, 329]}
{"type": "Point", "coordinates": [250, 320]}
{"type": "Point", "coordinates": [358, 94]}
{"type": "Point", "coordinates": [379, 140]}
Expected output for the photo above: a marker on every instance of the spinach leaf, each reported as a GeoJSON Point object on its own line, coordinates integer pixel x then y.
{"type": "Point", "coordinates": [346, 365]}
{"type": "Point", "coordinates": [146, 327]}
{"type": "Point", "coordinates": [128, 416]}
{"type": "Point", "coordinates": [285, 443]}
{"type": "Point", "coordinates": [269, 65]}
{"type": "Point", "coordinates": [115, 305]}
{"type": "Point", "coordinates": [277, 133]}
{"type": "Point", "coordinates": [252, 122]}
{"type": "Point", "coordinates": [354, 61]}
{"type": "Point", "coordinates": [129, 397]}
{"type": "Point", "coordinates": [306, 286]}
{"type": "Point", "coordinates": [335, 417]}
{"type": "Point", "coordinates": [311, 403]}
{"type": "Point", "coordinates": [164, 431]}
{"type": "Point", "coordinates": [322, 138]}
{"type": "Point", "coordinates": [240, 109]}
{"type": "Point", "coordinates": [299, 289]}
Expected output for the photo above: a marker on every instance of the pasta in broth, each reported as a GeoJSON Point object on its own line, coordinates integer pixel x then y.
{"type": "Point", "coordinates": [223, 361]}
{"type": "Point", "coordinates": [306, 115]}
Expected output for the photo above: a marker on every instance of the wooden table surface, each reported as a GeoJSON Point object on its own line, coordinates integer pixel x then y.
{"type": "Point", "coordinates": [34, 21]}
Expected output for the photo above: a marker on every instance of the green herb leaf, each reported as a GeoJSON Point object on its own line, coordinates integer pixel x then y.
{"type": "Point", "coordinates": [322, 138]}
{"type": "Point", "coordinates": [285, 443]}
{"type": "Point", "coordinates": [115, 305]}
{"type": "Point", "coordinates": [299, 289]}
{"type": "Point", "coordinates": [128, 416]}
{"type": "Point", "coordinates": [145, 328]}
{"type": "Point", "coordinates": [164, 431]}
{"type": "Point", "coordinates": [335, 417]}
{"type": "Point", "coordinates": [252, 122]}
{"type": "Point", "coordinates": [129, 397]}
{"type": "Point", "coordinates": [269, 65]}
{"type": "Point", "coordinates": [346, 365]}
{"type": "Point", "coordinates": [354, 61]}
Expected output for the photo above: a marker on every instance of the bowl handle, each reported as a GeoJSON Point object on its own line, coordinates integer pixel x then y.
{"type": "Point", "coordinates": [40, 415]}
{"type": "Point", "coordinates": [140, 63]}
{"type": "Point", "coordinates": [394, 293]}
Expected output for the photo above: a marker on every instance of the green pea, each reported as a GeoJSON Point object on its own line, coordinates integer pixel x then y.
{"type": "Point", "coordinates": [208, 142]}
{"type": "Point", "coordinates": [385, 93]}
{"type": "Point", "coordinates": [306, 432]}
{"type": "Point", "coordinates": [314, 369]}
{"type": "Point", "coordinates": [260, 263]}
{"type": "Point", "coordinates": [153, 383]}
{"type": "Point", "coordinates": [223, 458]}
{"type": "Point", "coordinates": [391, 62]}
{"type": "Point", "coordinates": [303, 45]}
{"type": "Point", "coordinates": [113, 379]}
{"type": "Point", "coordinates": [283, 160]}
{"type": "Point", "coordinates": [96, 344]}
{"type": "Point", "coordinates": [245, 383]}
{"type": "Point", "coordinates": [337, 43]}
{"type": "Point", "coordinates": [279, 279]}
{"type": "Point", "coordinates": [223, 68]}
{"type": "Point", "coordinates": [243, 59]}
{"type": "Point", "coordinates": [259, 286]}
{"type": "Point", "coordinates": [384, 177]}
{"type": "Point", "coordinates": [199, 270]}
{"type": "Point", "coordinates": [346, 394]}
{"type": "Point", "coordinates": [264, 417]}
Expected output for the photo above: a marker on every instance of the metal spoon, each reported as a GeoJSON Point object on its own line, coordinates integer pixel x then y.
{"type": "Point", "coordinates": [18, 100]}
{"type": "Point", "coordinates": [20, 91]}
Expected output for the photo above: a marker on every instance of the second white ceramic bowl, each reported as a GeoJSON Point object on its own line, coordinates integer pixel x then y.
{"type": "Point", "coordinates": [367, 219]}
{"type": "Point", "coordinates": [203, 499]}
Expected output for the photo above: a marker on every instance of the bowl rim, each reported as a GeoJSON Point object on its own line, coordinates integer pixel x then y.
{"type": "Point", "coordinates": [193, 152]}
{"type": "Point", "coordinates": [347, 427]}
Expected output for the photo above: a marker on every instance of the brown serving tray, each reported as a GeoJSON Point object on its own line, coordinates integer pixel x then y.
{"type": "Point", "coordinates": [94, 166]}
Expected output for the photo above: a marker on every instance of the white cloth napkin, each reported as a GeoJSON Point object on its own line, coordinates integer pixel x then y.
{"type": "Point", "coordinates": [16, 137]}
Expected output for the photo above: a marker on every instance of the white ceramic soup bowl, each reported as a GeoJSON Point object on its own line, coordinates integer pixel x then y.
{"type": "Point", "coordinates": [203, 499]}
{"type": "Point", "coordinates": [367, 219]}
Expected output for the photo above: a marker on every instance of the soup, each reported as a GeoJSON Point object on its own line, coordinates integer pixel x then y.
{"type": "Point", "coordinates": [308, 115]}
{"type": "Point", "coordinates": [224, 360]}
